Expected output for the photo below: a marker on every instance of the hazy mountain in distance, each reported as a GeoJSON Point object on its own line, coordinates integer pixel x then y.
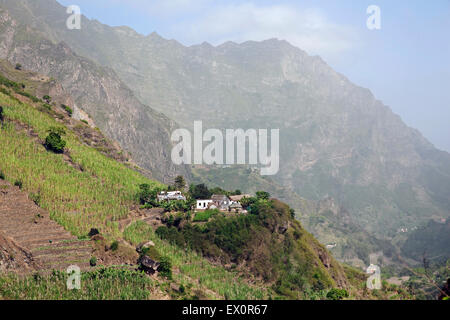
{"type": "Point", "coordinates": [337, 140]}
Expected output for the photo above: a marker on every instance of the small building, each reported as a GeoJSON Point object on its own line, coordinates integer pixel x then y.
{"type": "Point", "coordinates": [222, 202]}
{"type": "Point", "coordinates": [204, 204]}
{"type": "Point", "coordinates": [236, 207]}
{"type": "Point", "coordinates": [170, 196]}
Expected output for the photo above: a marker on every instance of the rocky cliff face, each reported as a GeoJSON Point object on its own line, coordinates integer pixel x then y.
{"type": "Point", "coordinates": [96, 90]}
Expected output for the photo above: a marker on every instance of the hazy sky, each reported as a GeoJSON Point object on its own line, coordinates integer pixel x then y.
{"type": "Point", "coordinates": [406, 63]}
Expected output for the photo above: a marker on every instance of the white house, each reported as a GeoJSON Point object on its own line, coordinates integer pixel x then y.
{"type": "Point", "coordinates": [203, 204]}
{"type": "Point", "coordinates": [171, 195]}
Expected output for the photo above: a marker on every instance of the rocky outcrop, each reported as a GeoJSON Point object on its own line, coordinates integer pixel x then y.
{"type": "Point", "coordinates": [148, 265]}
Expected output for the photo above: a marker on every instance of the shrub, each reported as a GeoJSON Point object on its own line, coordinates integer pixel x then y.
{"type": "Point", "coordinates": [84, 121]}
{"type": "Point", "coordinates": [292, 212]}
{"type": "Point", "coordinates": [18, 183]}
{"type": "Point", "coordinates": [2, 175]}
{"type": "Point", "coordinates": [18, 66]}
{"type": "Point", "coordinates": [46, 106]}
{"type": "Point", "coordinates": [180, 183]}
{"type": "Point", "coordinates": [165, 268]}
{"type": "Point", "coordinates": [54, 142]}
{"type": "Point", "coordinates": [114, 246]}
{"type": "Point", "coordinates": [47, 98]}
{"type": "Point", "coordinates": [147, 195]}
{"type": "Point", "coordinates": [93, 261]}
{"type": "Point", "coordinates": [162, 232]}
{"type": "Point", "coordinates": [2, 115]}
{"type": "Point", "coordinates": [337, 294]}
{"type": "Point", "coordinates": [262, 195]}
{"type": "Point", "coordinates": [5, 91]}
{"type": "Point", "coordinates": [67, 109]}
{"type": "Point", "coordinates": [199, 191]}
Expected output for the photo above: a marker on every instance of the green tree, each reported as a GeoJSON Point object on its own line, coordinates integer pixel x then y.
{"type": "Point", "coordinates": [180, 183]}
{"type": "Point", "coordinates": [262, 195]}
{"type": "Point", "coordinates": [337, 294]}
{"type": "Point", "coordinates": [114, 246]}
{"type": "Point", "coordinates": [199, 191]}
{"type": "Point", "coordinates": [165, 268]}
{"type": "Point", "coordinates": [54, 142]}
{"type": "Point", "coordinates": [147, 195]}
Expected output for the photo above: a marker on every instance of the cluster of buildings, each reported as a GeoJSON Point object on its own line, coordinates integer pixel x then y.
{"type": "Point", "coordinates": [217, 201]}
{"type": "Point", "coordinates": [222, 203]}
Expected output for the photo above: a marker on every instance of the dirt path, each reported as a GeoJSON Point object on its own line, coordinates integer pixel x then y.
{"type": "Point", "coordinates": [150, 216]}
{"type": "Point", "coordinates": [30, 227]}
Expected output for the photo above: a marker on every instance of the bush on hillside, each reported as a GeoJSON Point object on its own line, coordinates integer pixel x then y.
{"type": "Point", "coordinates": [114, 246]}
{"type": "Point", "coordinates": [147, 195]}
{"type": "Point", "coordinates": [54, 142]}
{"type": "Point", "coordinates": [47, 98]}
{"type": "Point", "coordinates": [263, 195]}
{"type": "Point", "coordinates": [199, 191]}
{"type": "Point", "coordinates": [18, 183]}
{"type": "Point", "coordinates": [180, 183]}
{"type": "Point", "coordinates": [337, 294]}
{"type": "Point", "coordinates": [67, 109]}
{"type": "Point", "coordinates": [165, 268]}
{"type": "Point", "coordinates": [93, 261]}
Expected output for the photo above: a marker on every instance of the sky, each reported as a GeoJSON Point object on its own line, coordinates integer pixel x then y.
{"type": "Point", "coordinates": [405, 63]}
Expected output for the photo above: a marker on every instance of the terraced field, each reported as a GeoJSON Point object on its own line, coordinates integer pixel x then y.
{"type": "Point", "coordinates": [51, 246]}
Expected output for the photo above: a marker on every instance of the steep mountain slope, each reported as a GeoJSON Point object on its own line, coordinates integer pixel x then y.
{"type": "Point", "coordinates": [430, 242]}
{"type": "Point", "coordinates": [337, 140]}
{"type": "Point", "coordinates": [83, 188]}
{"type": "Point", "coordinates": [59, 197]}
{"type": "Point", "coordinates": [95, 90]}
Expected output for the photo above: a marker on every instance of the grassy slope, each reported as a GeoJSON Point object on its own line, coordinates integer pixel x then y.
{"type": "Point", "coordinates": [96, 196]}
{"type": "Point", "coordinates": [79, 200]}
